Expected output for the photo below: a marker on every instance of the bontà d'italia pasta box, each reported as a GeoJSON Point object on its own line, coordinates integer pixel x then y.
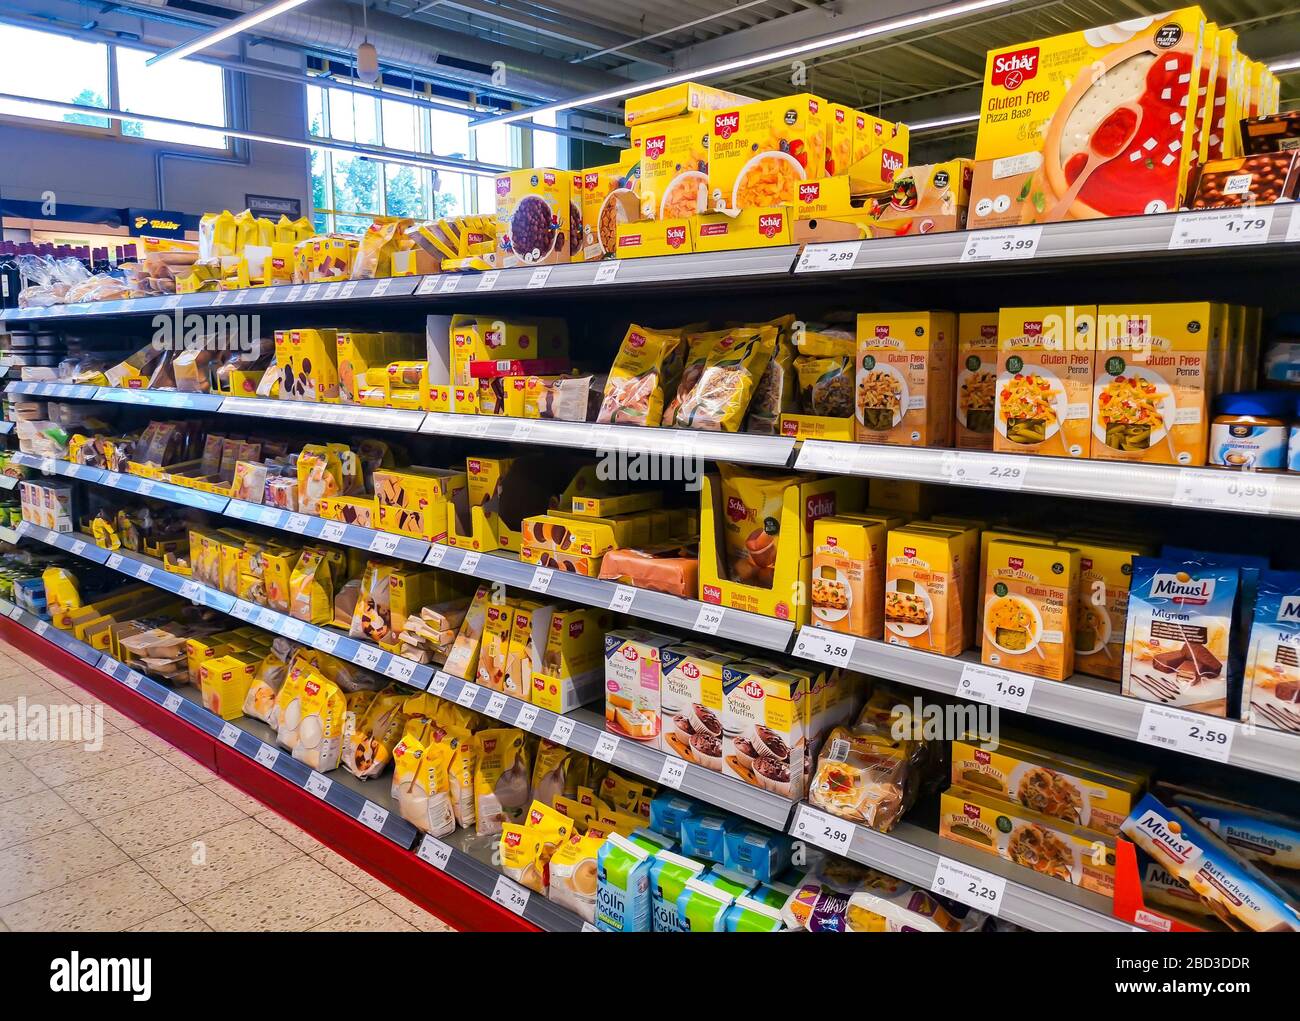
{"type": "Point", "coordinates": [1089, 124]}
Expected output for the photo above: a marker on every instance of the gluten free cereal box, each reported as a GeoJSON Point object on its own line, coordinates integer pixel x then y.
{"type": "Point", "coordinates": [1043, 402]}
{"type": "Point", "coordinates": [675, 169]}
{"type": "Point", "coordinates": [977, 375]}
{"type": "Point", "coordinates": [539, 217]}
{"type": "Point", "coordinates": [905, 378]}
{"type": "Point", "coordinates": [1030, 591]}
{"type": "Point", "coordinates": [759, 153]}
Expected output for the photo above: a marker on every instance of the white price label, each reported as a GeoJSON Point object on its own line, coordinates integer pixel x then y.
{"type": "Point", "coordinates": [132, 679]}
{"type": "Point", "coordinates": [318, 786]}
{"type": "Point", "coordinates": [435, 852]}
{"type": "Point", "coordinates": [488, 280]}
{"type": "Point", "coordinates": [468, 693]}
{"type": "Point", "coordinates": [326, 641]}
{"type": "Point", "coordinates": [42, 626]}
{"type": "Point", "coordinates": [822, 829]}
{"type": "Point", "coordinates": [541, 581]}
{"type": "Point", "coordinates": [348, 289]}
{"type": "Point", "coordinates": [265, 297]}
{"type": "Point", "coordinates": [1190, 733]}
{"type": "Point", "coordinates": [621, 600]}
{"type": "Point", "coordinates": [448, 283]}
{"type": "Point", "coordinates": [1293, 225]}
{"type": "Point", "coordinates": [562, 731]}
{"type": "Point", "coordinates": [673, 772]}
{"type": "Point", "coordinates": [220, 298]}
{"type": "Point", "coordinates": [527, 717]}
{"type": "Point", "coordinates": [229, 734]}
{"type": "Point", "coordinates": [332, 531]}
{"type": "Point", "coordinates": [269, 619]}
{"type": "Point", "coordinates": [1224, 489]}
{"type": "Point", "coordinates": [824, 258]}
{"type": "Point", "coordinates": [384, 543]}
{"type": "Point", "coordinates": [189, 590]}
{"type": "Point", "coordinates": [510, 895]}
{"type": "Point", "coordinates": [311, 293]}
{"type": "Point", "coordinates": [709, 619]}
{"type": "Point", "coordinates": [825, 646]}
{"type": "Point", "coordinates": [968, 885]}
{"type": "Point", "coordinates": [367, 657]}
{"type": "Point", "coordinates": [239, 297]}
{"type": "Point", "coordinates": [400, 669]}
{"type": "Point", "coordinates": [429, 284]}
{"type": "Point", "coordinates": [172, 702]}
{"type": "Point", "coordinates": [606, 746]}
{"type": "Point", "coordinates": [522, 431]}
{"type": "Point", "coordinates": [436, 552]}
{"type": "Point", "coordinates": [296, 523]}
{"type": "Point", "coordinates": [496, 705]}
{"type": "Point", "coordinates": [293, 629]}
{"type": "Point", "coordinates": [439, 683]}
{"type": "Point", "coordinates": [146, 487]}
{"type": "Point", "coordinates": [114, 561]}
{"type": "Point", "coordinates": [243, 610]}
{"type": "Point", "coordinates": [469, 563]}
{"type": "Point", "coordinates": [606, 272]}
{"type": "Point", "coordinates": [266, 756]}
{"type": "Point", "coordinates": [270, 516]}
{"type": "Point", "coordinates": [77, 548]}
{"type": "Point", "coordinates": [539, 277]}
{"type": "Point", "coordinates": [987, 472]}
{"type": "Point", "coordinates": [47, 466]}
{"type": "Point", "coordinates": [996, 687]}
{"type": "Point", "coordinates": [1213, 228]}
{"type": "Point", "coordinates": [381, 287]}
{"type": "Point", "coordinates": [996, 245]}
{"type": "Point", "coordinates": [372, 815]}
{"type": "Point", "coordinates": [143, 571]}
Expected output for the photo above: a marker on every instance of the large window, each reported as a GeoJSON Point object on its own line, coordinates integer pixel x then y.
{"type": "Point", "coordinates": [45, 65]}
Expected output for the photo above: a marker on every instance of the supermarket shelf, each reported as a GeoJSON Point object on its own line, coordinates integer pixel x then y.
{"type": "Point", "coordinates": [323, 414]}
{"type": "Point", "coordinates": [1196, 488]}
{"type": "Point", "coordinates": [913, 854]}
{"type": "Point", "coordinates": [309, 526]}
{"type": "Point", "coordinates": [1086, 702]}
{"type": "Point", "coordinates": [6, 427]}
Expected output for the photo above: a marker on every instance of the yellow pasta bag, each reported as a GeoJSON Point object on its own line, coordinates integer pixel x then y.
{"type": "Point", "coordinates": [646, 361]}
{"type": "Point", "coordinates": [422, 782]}
{"type": "Point", "coordinates": [311, 595]}
{"type": "Point", "coordinates": [719, 399]}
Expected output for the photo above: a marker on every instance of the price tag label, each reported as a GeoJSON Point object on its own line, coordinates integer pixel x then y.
{"type": "Point", "coordinates": [372, 815]}
{"type": "Point", "coordinates": [449, 283]}
{"type": "Point", "coordinates": [269, 619]}
{"type": "Point", "coordinates": [539, 277]}
{"type": "Point", "coordinates": [541, 581]}
{"type": "Point", "coordinates": [436, 552]}
{"type": "Point", "coordinates": [996, 687]}
{"type": "Point", "coordinates": [968, 885]}
{"type": "Point", "coordinates": [673, 772]}
{"type": "Point", "coordinates": [42, 626]}
{"type": "Point", "coordinates": [998, 245]}
{"type": "Point", "coordinates": [606, 271]}
{"type": "Point", "coordinates": [326, 641]}
{"type": "Point", "coordinates": [400, 669]}
{"type": "Point", "coordinates": [318, 786]}
{"type": "Point", "coordinates": [266, 756]}
{"type": "Point", "coordinates": [435, 852]}
{"type": "Point", "coordinates": [229, 735]}
{"type": "Point", "coordinates": [439, 683]}
{"type": "Point", "coordinates": [824, 258]}
{"type": "Point", "coordinates": [384, 543]}
{"type": "Point", "coordinates": [1213, 228]}
{"type": "Point", "coordinates": [313, 290]}
{"type": "Point", "coordinates": [190, 590]}
{"type": "Point", "coordinates": [1222, 489]}
{"type": "Point", "coordinates": [243, 610]}
{"type": "Point", "coordinates": [172, 702]}
{"type": "Point", "coordinates": [825, 646]}
{"type": "Point", "coordinates": [266, 295]}
{"type": "Point", "coordinates": [469, 563]}
{"type": "Point", "coordinates": [297, 523]}
{"type": "Point", "coordinates": [293, 628]}
{"type": "Point", "coordinates": [143, 571]}
{"type": "Point", "coordinates": [527, 717]}
{"type": "Point", "coordinates": [368, 657]}
{"type": "Point", "coordinates": [823, 829]}
{"type": "Point", "coordinates": [114, 561]}
{"type": "Point", "coordinates": [488, 280]}
{"type": "Point", "coordinates": [606, 746]}
{"type": "Point", "coordinates": [496, 705]}
{"type": "Point", "coordinates": [132, 679]}
{"type": "Point", "coordinates": [239, 297]}
{"type": "Point", "coordinates": [987, 472]}
{"type": "Point", "coordinates": [1190, 733]}
{"type": "Point", "coordinates": [621, 600]}
{"type": "Point", "coordinates": [220, 298]}
{"type": "Point", "coordinates": [332, 531]}
{"type": "Point", "coordinates": [429, 284]}
{"type": "Point", "coordinates": [270, 516]}
{"type": "Point", "coordinates": [468, 693]}
{"type": "Point", "coordinates": [510, 895]}
{"type": "Point", "coordinates": [348, 289]}
{"type": "Point", "coordinates": [562, 731]}
{"type": "Point", "coordinates": [77, 548]}
{"type": "Point", "coordinates": [709, 619]}
{"type": "Point", "coordinates": [381, 287]}
{"type": "Point", "coordinates": [522, 431]}
{"type": "Point", "coordinates": [47, 466]}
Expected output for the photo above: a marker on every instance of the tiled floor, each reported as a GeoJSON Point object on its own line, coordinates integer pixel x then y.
{"type": "Point", "coordinates": [137, 835]}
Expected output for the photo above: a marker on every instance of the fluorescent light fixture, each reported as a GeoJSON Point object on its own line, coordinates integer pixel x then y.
{"type": "Point", "coordinates": [1286, 64]}
{"type": "Point", "coordinates": [826, 42]}
{"type": "Point", "coordinates": [240, 24]}
{"type": "Point", "coordinates": [943, 122]}
{"type": "Point", "coordinates": [375, 152]}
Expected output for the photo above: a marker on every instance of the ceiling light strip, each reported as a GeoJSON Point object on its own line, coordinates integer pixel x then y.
{"type": "Point", "coordinates": [240, 24]}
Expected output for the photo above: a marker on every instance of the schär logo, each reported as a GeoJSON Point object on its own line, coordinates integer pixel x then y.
{"type": "Point", "coordinates": [726, 124]}
{"type": "Point", "coordinates": [675, 237]}
{"type": "Point", "coordinates": [1034, 329]}
{"type": "Point", "coordinates": [1011, 70]}
{"type": "Point", "coordinates": [1016, 563]}
{"type": "Point", "coordinates": [654, 147]}
{"type": "Point", "coordinates": [769, 225]}
{"type": "Point", "coordinates": [882, 332]}
{"type": "Point", "coordinates": [810, 191]}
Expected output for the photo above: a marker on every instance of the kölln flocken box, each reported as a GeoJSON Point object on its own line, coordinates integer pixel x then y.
{"type": "Point", "coordinates": [977, 376]}
{"type": "Point", "coordinates": [905, 378]}
{"type": "Point", "coordinates": [1043, 402]}
{"type": "Point", "coordinates": [1029, 606]}
{"type": "Point", "coordinates": [759, 153]}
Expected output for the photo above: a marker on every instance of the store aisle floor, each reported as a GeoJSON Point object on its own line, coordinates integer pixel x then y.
{"type": "Point", "coordinates": [136, 835]}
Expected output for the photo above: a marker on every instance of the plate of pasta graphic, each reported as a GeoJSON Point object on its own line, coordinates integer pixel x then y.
{"type": "Point", "coordinates": [1012, 624]}
{"type": "Point", "coordinates": [1133, 409]}
{"type": "Point", "coordinates": [882, 396]}
{"type": "Point", "coordinates": [1031, 405]}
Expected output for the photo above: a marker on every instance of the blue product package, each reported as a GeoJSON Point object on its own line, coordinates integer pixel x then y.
{"type": "Point", "coordinates": [654, 842]}
{"type": "Point", "coordinates": [705, 836]}
{"type": "Point", "coordinates": [1270, 693]}
{"type": "Point", "coordinates": [667, 812]}
{"type": "Point", "coordinates": [748, 915]}
{"type": "Point", "coordinates": [668, 875]}
{"type": "Point", "coordinates": [622, 886]}
{"type": "Point", "coordinates": [762, 854]}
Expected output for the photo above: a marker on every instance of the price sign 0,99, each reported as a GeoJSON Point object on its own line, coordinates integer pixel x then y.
{"type": "Point", "coordinates": [970, 886]}
{"type": "Point", "coordinates": [1224, 490]}
{"type": "Point", "coordinates": [822, 829]}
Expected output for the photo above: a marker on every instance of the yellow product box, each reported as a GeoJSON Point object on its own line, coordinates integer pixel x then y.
{"type": "Point", "coordinates": [464, 400]}
{"type": "Point", "coordinates": [437, 397]}
{"type": "Point", "coordinates": [623, 503]}
{"type": "Point", "coordinates": [327, 257]}
{"type": "Point", "coordinates": [763, 735]}
{"type": "Point", "coordinates": [987, 535]}
{"type": "Point", "coordinates": [357, 354]}
{"type": "Point", "coordinates": [1043, 403]}
{"type": "Point", "coordinates": [497, 621]}
{"type": "Point", "coordinates": [528, 633]}
{"type": "Point", "coordinates": [746, 228]}
{"type": "Point", "coordinates": [609, 198]}
{"type": "Point", "coordinates": [307, 363]}
{"type": "Point", "coordinates": [655, 237]}
{"type": "Point", "coordinates": [1050, 846]}
{"type": "Point", "coordinates": [1031, 593]}
{"type": "Point", "coordinates": [535, 211]}
{"type": "Point", "coordinates": [692, 703]}
{"type": "Point", "coordinates": [676, 100]}
{"type": "Point", "coordinates": [675, 169]}
{"type": "Point", "coordinates": [1105, 572]}
{"type": "Point", "coordinates": [575, 646]}
{"type": "Point", "coordinates": [277, 569]}
{"type": "Point", "coordinates": [486, 338]}
{"type": "Point", "coordinates": [840, 140]}
{"type": "Point", "coordinates": [351, 510]}
{"type": "Point", "coordinates": [584, 534]}
{"type": "Point", "coordinates": [977, 376]}
{"type": "Point", "coordinates": [506, 395]}
{"type": "Point", "coordinates": [826, 196]}
{"type": "Point", "coordinates": [817, 427]}
{"type": "Point", "coordinates": [570, 563]}
{"type": "Point", "coordinates": [924, 199]}
{"type": "Point", "coordinates": [1115, 105]}
{"type": "Point", "coordinates": [848, 575]}
{"type": "Point", "coordinates": [1153, 382]}
{"type": "Point", "coordinates": [199, 650]}
{"type": "Point", "coordinates": [923, 589]}
{"type": "Point", "coordinates": [413, 501]}
{"type": "Point", "coordinates": [633, 683]}
{"type": "Point", "coordinates": [880, 150]}
{"type": "Point", "coordinates": [1078, 789]}
{"type": "Point", "coordinates": [224, 682]}
{"type": "Point", "coordinates": [759, 153]}
{"type": "Point", "coordinates": [905, 378]}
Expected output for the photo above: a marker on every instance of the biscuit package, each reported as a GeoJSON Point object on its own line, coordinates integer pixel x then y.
{"type": "Point", "coordinates": [1271, 690]}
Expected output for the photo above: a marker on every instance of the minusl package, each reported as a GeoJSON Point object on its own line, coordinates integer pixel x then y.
{"type": "Point", "coordinates": [1271, 688]}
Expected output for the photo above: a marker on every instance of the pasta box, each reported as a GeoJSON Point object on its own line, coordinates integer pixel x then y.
{"type": "Point", "coordinates": [1030, 591]}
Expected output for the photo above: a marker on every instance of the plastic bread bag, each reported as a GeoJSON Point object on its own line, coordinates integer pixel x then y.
{"type": "Point", "coordinates": [501, 778]}
{"type": "Point", "coordinates": [462, 660]}
{"type": "Point", "coordinates": [311, 594]}
{"type": "Point", "coordinates": [372, 617]}
{"type": "Point", "coordinates": [268, 679]}
{"type": "Point", "coordinates": [865, 775]}
{"type": "Point", "coordinates": [368, 738]}
{"type": "Point", "coordinates": [864, 900]}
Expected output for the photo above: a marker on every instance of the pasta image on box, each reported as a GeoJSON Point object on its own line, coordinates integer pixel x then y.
{"type": "Point", "coordinates": [923, 589]}
{"type": "Point", "coordinates": [905, 378]}
{"type": "Point", "coordinates": [848, 574]}
{"type": "Point", "coordinates": [1043, 401]}
{"type": "Point", "coordinates": [759, 153]}
{"type": "Point", "coordinates": [1105, 574]}
{"type": "Point", "coordinates": [977, 376]}
{"type": "Point", "coordinates": [1030, 596]}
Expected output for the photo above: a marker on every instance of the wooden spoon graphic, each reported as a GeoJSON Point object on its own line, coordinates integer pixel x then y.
{"type": "Point", "coordinates": [1110, 138]}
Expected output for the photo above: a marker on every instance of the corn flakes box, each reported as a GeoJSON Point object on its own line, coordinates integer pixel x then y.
{"type": "Point", "coordinates": [904, 378]}
{"type": "Point", "coordinates": [977, 375]}
{"type": "Point", "coordinates": [1043, 403]}
{"type": "Point", "coordinates": [758, 154]}
{"type": "Point", "coordinates": [675, 170]}
{"type": "Point", "coordinates": [1030, 592]}
{"type": "Point", "coordinates": [609, 198]}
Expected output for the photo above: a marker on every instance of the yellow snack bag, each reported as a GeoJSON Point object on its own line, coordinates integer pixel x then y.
{"type": "Point", "coordinates": [320, 474]}
{"type": "Point", "coordinates": [311, 594]}
{"type": "Point", "coordinates": [751, 526]}
{"type": "Point", "coordinates": [370, 736]}
{"type": "Point", "coordinates": [732, 367]}
{"type": "Point", "coordinates": [422, 782]}
{"type": "Point", "coordinates": [634, 392]}
{"type": "Point", "coordinates": [501, 777]}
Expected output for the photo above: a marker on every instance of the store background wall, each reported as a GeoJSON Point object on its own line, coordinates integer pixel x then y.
{"type": "Point", "coordinates": [84, 170]}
